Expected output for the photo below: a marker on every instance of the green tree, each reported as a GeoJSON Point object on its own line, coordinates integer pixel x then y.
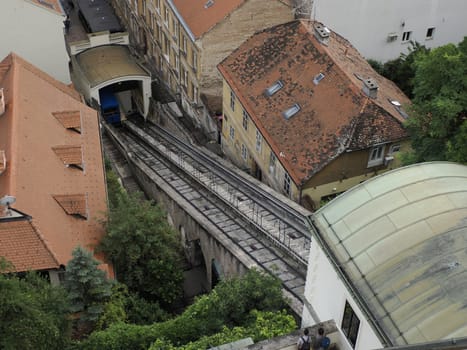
{"type": "Point", "coordinates": [263, 325]}
{"type": "Point", "coordinates": [233, 303]}
{"type": "Point", "coordinates": [141, 311]}
{"type": "Point", "coordinates": [114, 308]}
{"type": "Point", "coordinates": [439, 111]}
{"type": "Point", "coordinates": [88, 288]}
{"type": "Point", "coordinates": [402, 69]}
{"type": "Point", "coordinates": [33, 314]}
{"type": "Point", "coordinates": [145, 250]}
{"type": "Point", "coordinates": [114, 188]}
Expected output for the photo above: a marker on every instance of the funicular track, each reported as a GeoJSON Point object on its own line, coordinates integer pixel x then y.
{"type": "Point", "coordinates": [271, 232]}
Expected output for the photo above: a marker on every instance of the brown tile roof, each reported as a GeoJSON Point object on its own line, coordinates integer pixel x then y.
{"type": "Point", "coordinates": [28, 131]}
{"type": "Point", "coordinates": [334, 114]}
{"type": "Point", "coordinates": [22, 244]}
{"type": "Point", "coordinates": [69, 119]}
{"type": "Point", "coordinates": [200, 18]}
{"type": "Point", "coordinates": [13, 58]}
{"type": "Point", "coordinates": [69, 155]}
{"type": "Point", "coordinates": [51, 5]}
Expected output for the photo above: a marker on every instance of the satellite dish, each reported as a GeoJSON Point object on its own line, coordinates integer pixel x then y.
{"type": "Point", "coordinates": [7, 200]}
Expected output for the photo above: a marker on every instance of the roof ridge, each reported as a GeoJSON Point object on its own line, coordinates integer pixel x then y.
{"type": "Point", "coordinates": [43, 240]}
{"type": "Point", "coordinates": [16, 59]}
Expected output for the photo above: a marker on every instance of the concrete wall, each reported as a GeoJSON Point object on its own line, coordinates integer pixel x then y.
{"type": "Point", "coordinates": [226, 36]}
{"type": "Point", "coordinates": [36, 34]}
{"type": "Point", "coordinates": [367, 23]}
{"type": "Point", "coordinates": [327, 294]}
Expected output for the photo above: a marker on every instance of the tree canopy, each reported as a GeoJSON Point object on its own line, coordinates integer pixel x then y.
{"type": "Point", "coordinates": [402, 69]}
{"type": "Point", "coordinates": [144, 249]}
{"type": "Point", "coordinates": [439, 112]}
{"type": "Point", "coordinates": [33, 314]}
{"type": "Point", "coordinates": [87, 286]}
{"type": "Point", "coordinates": [231, 304]}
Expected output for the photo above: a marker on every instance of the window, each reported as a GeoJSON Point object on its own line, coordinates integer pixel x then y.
{"type": "Point", "coordinates": [245, 120]}
{"type": "Point", "coordinates": [394, 148]}
{"type": "Point", "coordinates": [176, 28]}
{"type": "Point", "coordinates": [195, 94]}
{"type": "Point", "coordinates": [429, 33]}
{"type": "Point", "coordinates": [244, 152]}
{"type": "Point", "coordinates": [259, 138]}
{"type": "Point", "coordinates": [232, 132]}
{"type": "Point", "coordinates": [350, 324]}
{"type": "Point", "coordinates": [195, 61]}
{"type": "Point", "coordinates": [376, 156]}
{"type": "Point", "coordinates": [177, 61]}
{"type": "Point", "coordinates": [287, 184]}
{"type": "Point", "coordinates": [184, 77]}
{"type": "Point", "coordinates": [232, 100]}
{"type": "Point", "coordinates": [184, 44]}
{"type": "Point", "coordinates": [144, 9]}
{"type": "Point", "coordinates": [272, 163]}
{"type": "Point", "coordinates": [406, 36]}
{"type": "Point", "coordinates": [166, 16]}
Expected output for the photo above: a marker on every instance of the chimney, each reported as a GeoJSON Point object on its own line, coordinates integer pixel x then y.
{"type": "Point", "coordinates": [370, 87]}
{"type": "Point", "coordinates": [321, 33]}
{"type": "Point", "coordinates": [2, 102]}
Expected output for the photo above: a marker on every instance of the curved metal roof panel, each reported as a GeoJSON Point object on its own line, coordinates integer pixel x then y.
{"type": "Point", "coordinates": [103, 63]}
{"type": "Point", "coordinates": [401, 238]}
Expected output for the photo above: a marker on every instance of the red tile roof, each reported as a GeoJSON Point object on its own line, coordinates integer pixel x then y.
{"type": "Point", "coordinates": [28, 132]}
{"type": "Point", "coordinates": [200, 18]}
{"type": "Point", "coordinates": [22, 244]}
{"type": "Point", "coordinates": [334, 116]}
{"type": "Point", "coordinates": [51, 5]}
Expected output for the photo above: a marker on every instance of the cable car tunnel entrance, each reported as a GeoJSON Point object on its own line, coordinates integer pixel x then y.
{"type": "Point", "coordinates": [118, 101]}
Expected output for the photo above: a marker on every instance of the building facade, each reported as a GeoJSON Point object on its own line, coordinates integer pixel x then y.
{"type": "Point", "coordinates": [382, 29]}
{"type": "Point", "coordinates": [34, 30]}
{"type": "Point", "coordinates": [307, 114]}
{"type": "Point", "coordinates": [183, 41]}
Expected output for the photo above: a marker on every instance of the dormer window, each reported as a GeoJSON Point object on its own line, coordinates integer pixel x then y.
{"type": "Point", "coordinates": [70, 155]}
{"type": "Point", "coordinates": [274, 88]}
{"type": "Point", "coordinates": [69, 119]}
{"type": "Point", "coordinates": [289, 113]}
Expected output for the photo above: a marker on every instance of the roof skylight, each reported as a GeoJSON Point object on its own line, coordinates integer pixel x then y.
{"type": "Point", "coordinates": [208, 4]}
{"type": "Point", "coordinates": [318, 78]}
{"type": "Point", "coordinates": [274, 88]}
{"type": "Point", "coordinates": [289, 113]}
{"type": "Point", "coordinates": [399, 108]}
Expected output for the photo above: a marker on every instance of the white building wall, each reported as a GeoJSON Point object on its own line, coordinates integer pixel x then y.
{"type": "Point", "coordinates": [36, 34]}
{"type": "Point", "coordinates": [327, 294]}
{"type": "Point", "coordinates": [367, 23]}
